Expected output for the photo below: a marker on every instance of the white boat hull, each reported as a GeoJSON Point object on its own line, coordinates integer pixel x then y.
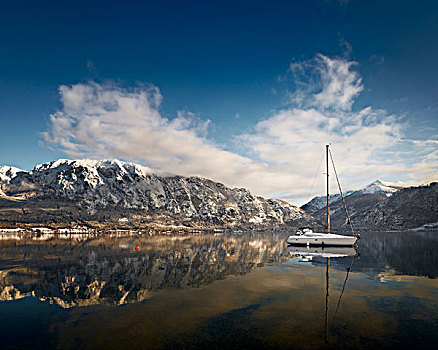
{"type": "Point", "coordinates": [322, 239]}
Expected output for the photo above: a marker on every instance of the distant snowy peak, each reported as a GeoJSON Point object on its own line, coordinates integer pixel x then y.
{"type": "Point", "coordinates": [379, 186]}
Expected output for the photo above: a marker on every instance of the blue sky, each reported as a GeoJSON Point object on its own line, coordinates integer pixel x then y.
{"type": "Point", "coordinates": [234, 82]}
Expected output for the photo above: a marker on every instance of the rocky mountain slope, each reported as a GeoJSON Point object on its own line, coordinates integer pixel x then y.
{"type": "Point", "coordinates": [66, 191]}
{"type": "Point", "coordinates": [408, 208]}
{"type": "Point", "coordinates": [380, 206]}
{"type": "Point", "coordinates": [320, 202]}
{"type": "Point", "coordinates": [377, 187]}
{"type": "Point", "coordinates": [357, 202]}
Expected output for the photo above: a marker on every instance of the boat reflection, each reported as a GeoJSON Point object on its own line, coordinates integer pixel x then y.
{"type": "Point", "coordinates": [307, 253]}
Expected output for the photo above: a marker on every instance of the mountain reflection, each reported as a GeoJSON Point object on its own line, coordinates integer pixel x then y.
{"type": "Point", "coordinates": [387, 298]}
{"type": "Point", "coordinates": [400, 253]}
{"type": "Point", "coordinates": [111, 270]}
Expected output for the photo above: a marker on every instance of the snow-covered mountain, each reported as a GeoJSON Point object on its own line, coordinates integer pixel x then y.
{"type": "Point", "coordinates": [7, 173]}
{"type": "Point", "coordinates": [316, 203]}
{"type": "Point", "coordinates": [377, 187]}
{"type": "Point", "coordinates": [382, 187]}
{"type": "Point", "coordinates": [108, 189]}
{"type": "Point", "coordinates": [408, 208]}
{"type": "Point", "coordinates": [380, 206]}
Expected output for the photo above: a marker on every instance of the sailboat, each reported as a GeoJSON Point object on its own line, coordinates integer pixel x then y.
{"type": "Point", "coordinates": [308, 237]}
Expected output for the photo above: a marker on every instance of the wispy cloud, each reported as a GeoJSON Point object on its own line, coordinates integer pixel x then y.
{"type": "Point", "coordinates": [107, 121]}
{"type": "Point", "coordinates": [325, 83]}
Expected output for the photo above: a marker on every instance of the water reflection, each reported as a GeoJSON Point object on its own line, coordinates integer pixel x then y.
{"type": "Point", "coordinates": [281, 307]}
{"type": "Point", "coordinates": [206, 291]}
{"type": "Point", "coordinates": [123, 270]}
{"type": "Point", "coordinates": [109, 270]}
{"type": "Point", "coordinates": [399, 253]}
{"type": "Point", "coordinates": [309, 253]}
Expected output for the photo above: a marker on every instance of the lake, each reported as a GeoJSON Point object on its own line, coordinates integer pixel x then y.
{"type": "Point", "coordinates": [233, 291]}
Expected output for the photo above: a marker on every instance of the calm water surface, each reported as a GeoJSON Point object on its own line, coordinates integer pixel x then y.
{"type": "Point", "coordinates": [231, 291]}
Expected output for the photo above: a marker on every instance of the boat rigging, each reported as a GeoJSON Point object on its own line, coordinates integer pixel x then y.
{"type": "Point", "coordinates": [308, 237]}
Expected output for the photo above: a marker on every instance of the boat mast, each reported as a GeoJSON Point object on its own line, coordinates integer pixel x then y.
{"type": "Point", "coordinates": [327, 273]}
{"type": "Point", "coordinates": [328, 195]}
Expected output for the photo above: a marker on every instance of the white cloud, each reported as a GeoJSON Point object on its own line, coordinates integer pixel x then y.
{"type": "Point", "coordinates": [326, 84]}
{"type": "Point", "coordinates": [368, 144]}
{"type": "Point", "coordinates": [107, 121]}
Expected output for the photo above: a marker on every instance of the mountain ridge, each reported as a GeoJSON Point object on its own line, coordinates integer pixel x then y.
{"type": "Point", "coordinates": [376, 186]}
{"type": "Point", "coordinates": [102, 190]}
{"type": "Point", "coordinates": [408, 208]}
{"type": "Point", "coordinates": [380, 206]}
